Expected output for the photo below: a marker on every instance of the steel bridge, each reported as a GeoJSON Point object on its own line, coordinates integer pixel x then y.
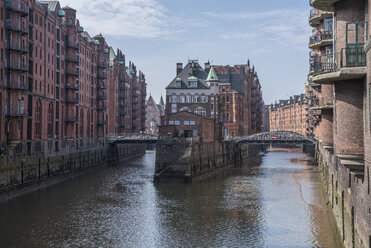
{"type": "Point", "coordinates": [136, 138]}
{"type": "Point", "coordinates": [276, 137]}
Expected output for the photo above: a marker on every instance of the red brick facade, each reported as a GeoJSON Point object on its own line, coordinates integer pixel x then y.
{"type": "Point", "coordinates": [60, 88]}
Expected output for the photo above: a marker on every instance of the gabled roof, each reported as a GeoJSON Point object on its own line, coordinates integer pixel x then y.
{"type": "Point", "coordinates": [150, 99]}
{"type": "Point", "coordinates": [192, 69]}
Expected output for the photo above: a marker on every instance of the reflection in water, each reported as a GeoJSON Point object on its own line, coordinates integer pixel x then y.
{"type": "Point", "coordinates": [274, 201]}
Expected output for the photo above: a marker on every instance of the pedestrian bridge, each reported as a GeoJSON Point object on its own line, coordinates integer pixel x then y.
{"type": "Point", "coordinates": [276, 137]}
{"type": "Point", "coordinates": [135, 138]}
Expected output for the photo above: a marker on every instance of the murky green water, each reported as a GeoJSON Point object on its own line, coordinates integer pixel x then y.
{"type": "Point", "coordinates": [273, 202]}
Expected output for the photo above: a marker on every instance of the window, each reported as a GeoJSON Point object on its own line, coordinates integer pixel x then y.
{"type": "Point", "coordinates": [181, 98]}
{"type": "Point", "coordinates": [171, 122]}
{"type": "Point", "coordinates": [196, 98]}
{"type": "Point", "coordinates": [81, 123]}
{"type": "Point", "coordinates": [189, 98]}
{"type": "Point", "coordinates": [173, 98]}
{"type": "Point", "coordinates": [203, 99]}
{"type": "Point", "coordinates": [200, 111]}
{"type": "Point", "coordinates": [173, 110]}
{"type": "Point", "coordinates": [185, 109]}
{"type": "Point", "coordinates": [177, 123]}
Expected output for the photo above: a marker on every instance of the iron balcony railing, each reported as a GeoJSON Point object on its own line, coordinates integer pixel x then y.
{"type": "Point", "coordinates": [16, 47]}
{"type": "Point", "coordinates": [101, 86]}
{"type": "Point", "coordinates": [17, 66]}
{"type": "Point", "coordinates": [326, 35]}
{"type": "Point", "coordinates": [16, 26]}
{"type": "Point", "coordinates": [314, 12]}
{"type": "Point", "coordinates": [102, 65]}
{"type": "Point", "coordinates": [73, 72]}
{"type": "Point", "coordinates": [102, 75]}
{"type": "Point", "coordinates": [13, 6]}
{"type": "Point", "coordinates": [17, 85]}
{"type": "Point", "coordinates": [74, 59]}
{"type": "Point", "coordinates": [348, 57]}
{"type": "Point", "coordinates": [73, 45]}
{"type": "Point", "coordinates": [101, 97]}
{"type": "Point", "coordinates": [71, 86]}
{"type": "Point", "coordinates": [101, 122]}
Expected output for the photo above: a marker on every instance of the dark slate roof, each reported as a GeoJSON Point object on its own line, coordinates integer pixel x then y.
{"type": "Point", "coordinates": [198, 72]}
{"type": "Point", "coordinates": [162, 102]}
{"type": "Point", "coordinates": [231, 76]}
{"type": "Point", "coordinates": [52, 5]}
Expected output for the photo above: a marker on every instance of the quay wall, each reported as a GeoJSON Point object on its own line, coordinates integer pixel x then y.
{"type": "Point", "coordinates": [25, 175]}
{"type": "Point", "coordinates": [349, 196]}
{"type": "Point", "coordinates": [190, 160]}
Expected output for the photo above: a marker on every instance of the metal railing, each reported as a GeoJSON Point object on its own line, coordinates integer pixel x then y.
{"type": "Point", "coordinates": [72, 99]}
{"type": "Point", "coordinates": [10, 5]}
{"type": "Point", "coordinates": [16, 47]}
{"type": "Point", "coordinates": [326, 35]}
{"type": "Point", "coordinates": [17, 66]}
{"type": "Point", "coordinates": [348, 57]}
{"type": "Point", "coordinates": [72, 72]}
{"type": "Point", "coordinates": [17, 112]}
{"type": "Point", "coordinates": [16, 26]}
{"type": "Point", "coordinates": [71, 86]}
{"type": "Point", "coordinates": [72, 59]}
{"type": "Point", "coordinates": [314, 12]}
{"type": "Point", "coordinates": [17, 85]}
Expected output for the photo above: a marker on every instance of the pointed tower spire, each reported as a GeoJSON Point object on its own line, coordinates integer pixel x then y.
{"type": "Point", "coordinates": [212, 75]}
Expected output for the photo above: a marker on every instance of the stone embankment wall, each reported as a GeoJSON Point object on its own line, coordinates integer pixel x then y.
{"type": "Point", "coordinates": [189, 160]}
{"type": "Point", "coordinates": [21, 174]}
{"type": "Point", "coordinates": [350, 198]}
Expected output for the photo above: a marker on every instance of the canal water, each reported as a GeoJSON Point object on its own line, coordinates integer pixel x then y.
{"type": "Point", "coordinates": [275, 200]}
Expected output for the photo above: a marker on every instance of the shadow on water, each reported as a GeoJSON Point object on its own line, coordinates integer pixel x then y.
{"type": "Point", "coordinates": [273, 200]}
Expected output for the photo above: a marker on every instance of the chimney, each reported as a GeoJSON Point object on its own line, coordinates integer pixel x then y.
{"type": "Point", "coordinates": [207, 67]}
{"type": "Point", "coordinates": [179, 68]}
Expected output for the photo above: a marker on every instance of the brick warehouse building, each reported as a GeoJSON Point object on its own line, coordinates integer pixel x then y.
{"type": "Point", "coordinates": [230, 95]}
{"type": "Point", "coordinates": [61, 89]}
{"type": "Point", "coordinates": [344, 141]}
{"type": "Point", "coordinates": [289, 115]}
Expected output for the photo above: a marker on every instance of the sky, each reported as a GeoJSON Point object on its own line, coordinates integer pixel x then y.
{"type": "Point", "coordinates": [156, 34]}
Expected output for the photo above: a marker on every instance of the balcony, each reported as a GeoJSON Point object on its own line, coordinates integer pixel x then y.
{"type": "Point", "coordinates": [16, 27]}
{"type": "Point", "coordinates": [122, 104]}
{"type": "Point", "coordinates": [17, 66]}
{"type": "Point", "coordinates": [122, 96]}
{"type": "Point", "coordinates": [73, 59]}
{"type": "Point", "coordinates": [72, 99]}
{"type": "Point", "coordinates": [121, 124]}
{"type": "Point", "coordinates": [17, 113]}
{"type": "Point", "coordinates": [17, 85]}
{"type": "Point", "coordinates": [73, 45]}
{"type": "Point", "coordinates": [101, 97]}
{"type": "Point", "coordinates": [101, 107]}
{"type": "Point", "coordinates": [70, 119]}
{"type": "Point", "coordinates": [16, 47]}
{"type": "Point", "coordinates": [72, 72]}
{"type": "Point", "coordinates": [12, 6]}
{"type": "Point", "coordinates": [122, 87]}
{"type": "Point", "coordinates": [102, 65]}
{"type": "Point", "coordinates": [319, 40]}
{"type": "Point", "coordinates": [315, 16]}
{"type": "Point", "coordinates": [102, 75]}
{"type": "Point", "coordinates": [122, 112]}
{"type": "Point", "coordinates": [349, 64]}
{"type": "Point", "coordinates": [102, 86]}
{"type": "Point", "coordinates": [71, 86]}
{"type": "Point", "coordinates": [325, 5]}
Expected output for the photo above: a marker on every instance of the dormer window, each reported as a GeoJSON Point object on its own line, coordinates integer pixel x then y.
{"type": "Point", "coordinates": [178, 83]}
{"type": "Point", "coordinates": [192, 82]}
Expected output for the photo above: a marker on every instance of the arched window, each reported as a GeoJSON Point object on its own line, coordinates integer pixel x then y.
{"type": "Point", "coordinates": [81, 123]}
{"type": "Point", "coordinates": [196, 98]}
{"type": "Point", "coordinates": [189, 98]}
{"type": "Point", "coordinates": [204, 98]}
{"type": "Point", "coordinates": [38, 115]}
{"type": "Point", "coordinates": [88, 124]}
{"type": "Point", "coordinates": [50, 120]}
{"type": "Point", "coordinates": [182, 98]}
{"type": "Point", "coordinates": [185, 109]}
{"type": "Point", "coordinates": [173, 98]}
{"type": "Point", "coordinates": [200, 111]}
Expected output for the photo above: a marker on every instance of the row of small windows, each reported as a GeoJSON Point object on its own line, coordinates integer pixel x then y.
{"type": "Point", "coordinates": [188, 98]}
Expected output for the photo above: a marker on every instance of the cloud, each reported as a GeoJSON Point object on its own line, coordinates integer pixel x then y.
{"type": "Point", "coordinates": [283, 27]}
{"type": "Point", "coordinates": [145, 19]}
